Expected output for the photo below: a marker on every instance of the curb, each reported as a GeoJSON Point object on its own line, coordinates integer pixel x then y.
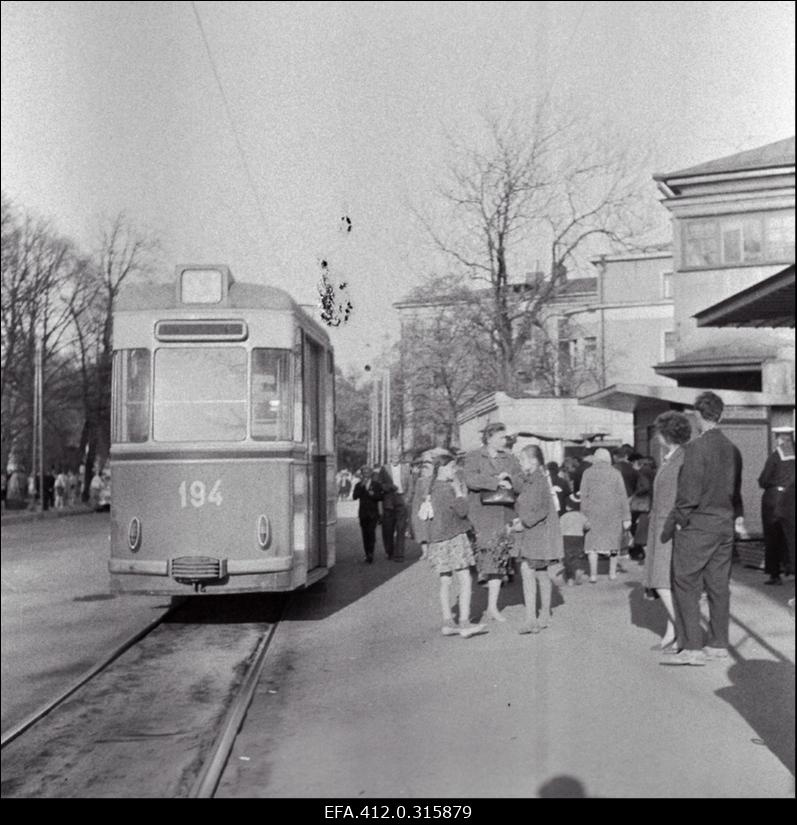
{"type": "Point", "coordinates": [22, 516]}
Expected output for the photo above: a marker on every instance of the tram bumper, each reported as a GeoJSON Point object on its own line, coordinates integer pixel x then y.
{"type": "Point", "coordinates": [206, 569]}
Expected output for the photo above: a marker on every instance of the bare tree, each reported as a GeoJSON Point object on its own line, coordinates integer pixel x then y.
{"type": "Point", "coordinates": [542, 190]}
{"type": "Point", "coordinates": [124, 253]}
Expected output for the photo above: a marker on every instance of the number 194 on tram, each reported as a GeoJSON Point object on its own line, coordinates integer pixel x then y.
{"type": "Point", "coordinates": [222, 439]}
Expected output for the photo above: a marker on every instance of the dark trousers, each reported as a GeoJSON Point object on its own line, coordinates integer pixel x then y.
{"type": "Point", "coordinates": [702, 559]}
{"type": "Point", "coordinates": [394, 525]}
{"type": "Point", "coordinates": [368, 529]}
{"type": "Point", "coordinates": [575, 559]}
{"type": "Point", "coordinates": [776, 558]}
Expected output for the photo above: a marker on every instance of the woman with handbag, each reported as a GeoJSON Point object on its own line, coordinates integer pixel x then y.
{"type": "Point", "coordinates": [494, 478]}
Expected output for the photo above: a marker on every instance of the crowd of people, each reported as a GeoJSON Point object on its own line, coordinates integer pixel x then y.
{"type": "Point", "coordinates": [63, 487]}
{"type": "Point", "coordinates": [492, 511]}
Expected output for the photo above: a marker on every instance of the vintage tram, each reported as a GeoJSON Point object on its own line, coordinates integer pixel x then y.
{"type": "Point", "coordinates": [222, 438]}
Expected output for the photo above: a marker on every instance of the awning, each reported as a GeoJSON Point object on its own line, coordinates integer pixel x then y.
{"type": "Point", "coordinates": [769, 303]}
{"type": "Point", "coordinates": [630, 397]}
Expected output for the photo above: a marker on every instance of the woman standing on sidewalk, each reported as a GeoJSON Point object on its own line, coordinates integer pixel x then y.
{"type": "Point", "coordinates": [673, 430]}
{"type": "Point", "coordinates": [604, 504]}
{"type": "Point", "coordinates": [445, 511]}
{"type": "Point", "coordinates": [493, 476]}
{"type": "Point", "coordinates": [540, 544]}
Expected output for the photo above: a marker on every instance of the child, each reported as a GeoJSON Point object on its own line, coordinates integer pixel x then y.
{"type": "Point", "coordinates": [572, 523]}
{"type": "Point", "coordinates": [449, 550]}
{"type": "Point", "coordinates": [540, 543]}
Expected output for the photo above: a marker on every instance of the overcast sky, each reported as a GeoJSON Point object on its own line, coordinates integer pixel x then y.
{"type": "Point", "coordinates": [341, 108]}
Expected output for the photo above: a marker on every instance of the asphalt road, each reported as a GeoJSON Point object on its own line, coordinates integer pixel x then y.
{"type": "Point", "coordinates": [362, 696]}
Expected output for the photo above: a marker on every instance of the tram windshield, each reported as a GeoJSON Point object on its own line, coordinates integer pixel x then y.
{"type": "Point", "coordinates": [200, 394]}
{"type": "Point", "coordinates": [271, 408]}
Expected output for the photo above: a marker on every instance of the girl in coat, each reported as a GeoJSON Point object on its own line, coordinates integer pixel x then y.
{"type": "Point", "coordinates": [539, 546]}
{"type": "Point", "coordinates": [449, 551]}
{"type": "Point", "coordinates": [604, 503]}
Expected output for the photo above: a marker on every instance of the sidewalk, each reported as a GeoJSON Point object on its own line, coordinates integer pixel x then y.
{"type": "Point", "coordinates": [18, 516]}
{"type": "Point", "coordinates": [364, 692]}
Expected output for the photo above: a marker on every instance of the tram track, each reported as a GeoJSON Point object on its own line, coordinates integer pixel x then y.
{"type": "Point", "coordinates": [158, 717]}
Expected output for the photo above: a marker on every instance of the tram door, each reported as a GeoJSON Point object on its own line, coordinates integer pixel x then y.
{"type": "Point", "coordinates": [315, 411]}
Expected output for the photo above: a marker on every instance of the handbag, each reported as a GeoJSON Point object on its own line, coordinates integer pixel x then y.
{"type": "Point", "coordinates": [499, 496]}
{"type": "Point", "coordinates": [425, 511]}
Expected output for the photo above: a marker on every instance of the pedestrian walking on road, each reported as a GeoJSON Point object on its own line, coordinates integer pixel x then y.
{"type": "Point", "coordinates": [604, 503]}
{"type": "Point", "coordinates": [494, 478]}
{"type": "Point", "coordinates": [701, 525]}
{"type": "Point", "coordinates": [673, 430]}
{"type": "Point", "coordinates": [775, 478]}
{"type": "Point", "coordinates": [395, 480]}
{"type": "Point", "coordinates": [539, 545]}
{"type": "Point", "coordinates": [450, 552]}
{"type": "Point", "coordinates": [60, 489]}
{"type": "Point", "coordinates": [369, 493]}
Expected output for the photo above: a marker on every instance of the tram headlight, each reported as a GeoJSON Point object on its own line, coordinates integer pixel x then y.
{"type": "Point", "coordinates": [134, 534]}
{"type": "Point", "coordinates": [263, 531]}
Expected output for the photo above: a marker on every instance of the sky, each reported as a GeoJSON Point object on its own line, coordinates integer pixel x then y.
{"type": "Point", "coordinates": [333, 109]}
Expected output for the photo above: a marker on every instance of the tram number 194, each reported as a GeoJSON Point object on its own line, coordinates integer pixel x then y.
{"type": "Point", "coordinates": [197, 495]}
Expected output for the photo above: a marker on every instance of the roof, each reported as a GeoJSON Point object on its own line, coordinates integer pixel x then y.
{"type": "Point", "coordinates": [240, 296]}
{"type": "Point", "coordinates": [771, 155]}
{"type": "Point", "coordinates": [736, 355]}
{"type": "Point", "coordinates": [628, 397]}
{"type": "Point", "coordinates": [769, 303]}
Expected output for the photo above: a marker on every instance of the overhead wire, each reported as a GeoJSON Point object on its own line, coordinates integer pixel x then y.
{"type": "Point", "coordinates": [233, 128]}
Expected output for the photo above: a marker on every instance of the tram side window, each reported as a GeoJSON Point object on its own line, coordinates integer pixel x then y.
{"type": "Point", "coordinates": [131, 374]}
{"type": "Point", "coordinates": [200, 394]}
{"type": "Point", "coordinates": [271, 389]}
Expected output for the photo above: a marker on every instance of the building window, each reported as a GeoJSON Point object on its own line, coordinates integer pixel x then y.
{"type": "Point", "coordinates": [590, 351]}
{"type": "Point", "coordinates": [666, 284]}
{"type": "Point", "coordinates": [668, 346]}
{"type": "Point", "coordinates": [734, 240]}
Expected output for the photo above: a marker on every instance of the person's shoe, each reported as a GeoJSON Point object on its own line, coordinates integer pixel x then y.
{"type": "Point", "coordinates": [686, 657]}
{"type": "Point", "coordinates": [399, 559]}
{"type": "Point", "coordinates": [544, 623]}
{"type": "Point", "coordinates": [613, 578]}
{"type": "Point", "coordinates": [369, 559]}
{"type": "Point", "coordinates": [491, 617]}
{"type": "Point", "coordinates": [571, 582]}
{"type": "Point", "coordinates": [593, 580]}
{"type": "Point", "coordinates": [773, 580]}
{"type": "Point", "coordinates": [450, 629]}
{"type": "Point", "coordinates": [581, 577]}
{"type": "Point", "coordinates": [529, 627]}
{"type": "Point", "coordinates": [467, 630]}
{"type": "Point", "coordinates": [716, 652]}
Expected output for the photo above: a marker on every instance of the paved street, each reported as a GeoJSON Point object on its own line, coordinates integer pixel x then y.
{"type": "Point", "coordinates": [58, 616]}
{"type": "Point", "coordinates": [362, 696]}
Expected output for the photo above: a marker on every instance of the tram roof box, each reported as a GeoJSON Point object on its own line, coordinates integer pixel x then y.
{"type": "Point", "coordinates": [208, 286]}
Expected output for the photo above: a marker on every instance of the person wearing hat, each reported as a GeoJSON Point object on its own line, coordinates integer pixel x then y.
{"type": "Point", "coordinates": [494, 479]}
{"type": "Point", "coordinates": [775, 480]}
{"type": "Point", "coordinates": [604, 504]}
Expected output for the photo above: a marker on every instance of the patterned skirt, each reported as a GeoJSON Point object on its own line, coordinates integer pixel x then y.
{"type": "Point", "coordinates": [494, 553]}
{"type": "Point", "coordinates": [451, 554]}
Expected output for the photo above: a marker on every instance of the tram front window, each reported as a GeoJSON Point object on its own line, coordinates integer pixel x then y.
{"type": "Point", "coordinates": [271, 370]}
{"type": "Point", "coordinates": [200, 394]}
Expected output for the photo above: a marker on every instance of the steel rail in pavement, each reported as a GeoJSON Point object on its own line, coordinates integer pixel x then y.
{"type": "Point", "coordinates": [12, 733]}
{"type": "Point", "coordinates": [206, 783]}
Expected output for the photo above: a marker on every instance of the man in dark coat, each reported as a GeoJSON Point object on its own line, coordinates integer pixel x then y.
{"type": "Point", "coordinates": [775, 480]}
{"type": "Point", "coordinates": [622, 461]}
{"type": "Point", "coordinates": [368, 492]}
{"type": "Point", "coordinates": [701, 526]}
{"type": "Point", "coordinates": [395, 480]}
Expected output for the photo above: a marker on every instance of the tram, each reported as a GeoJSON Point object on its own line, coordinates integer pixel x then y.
{"type": "Point", "coordinates": [222, 439]}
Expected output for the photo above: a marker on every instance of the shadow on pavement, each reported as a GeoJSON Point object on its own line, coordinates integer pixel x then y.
{"type": "Point", "coordinates": [562, 787]}
{"type": "Point", "coordinates": [762, 692]}
{"type": "Point", "coordinates": [647, 614]}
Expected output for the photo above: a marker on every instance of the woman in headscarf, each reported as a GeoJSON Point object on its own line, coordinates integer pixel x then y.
{"type": "Point", "coordinates": [604, 503]}
{"type": "Point", "coordinates": [490, 472]}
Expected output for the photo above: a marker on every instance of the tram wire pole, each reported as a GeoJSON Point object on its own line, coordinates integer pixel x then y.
{"type": "Point", "coordinates": [40, 399]}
